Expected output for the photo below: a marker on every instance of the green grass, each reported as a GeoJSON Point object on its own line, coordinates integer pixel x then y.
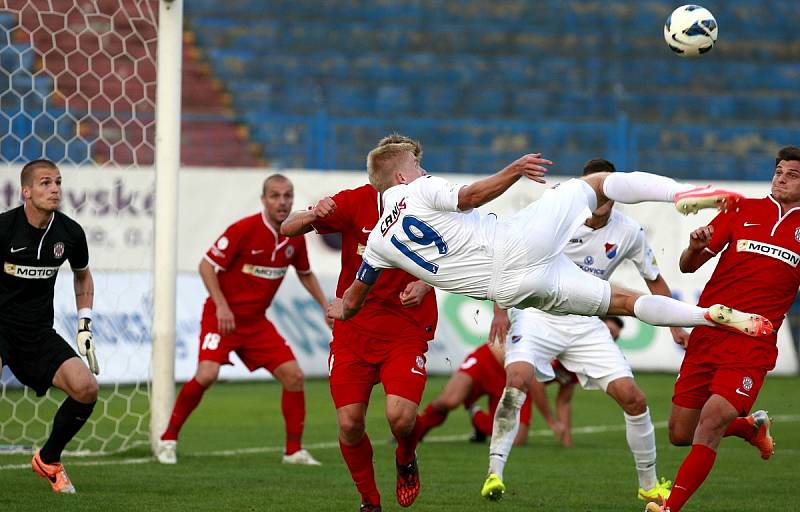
{"type": "Point", "coordinates": [596, 475]}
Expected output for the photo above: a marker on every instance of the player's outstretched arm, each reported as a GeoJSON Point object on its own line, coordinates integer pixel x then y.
{"type": "Point", "coordinates": [697, 253]}
{"type": "Point", "coordinates": [84, 299]}
{"type": "Point", "coordinates": [486, 189]}
{"type": "Point", "coordinates": [300, 222]}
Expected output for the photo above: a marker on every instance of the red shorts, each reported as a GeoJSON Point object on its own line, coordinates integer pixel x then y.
{"type": "Point", "coordinates": [697, 382]}
{"type": "Point", "coordinates": [489, 378]}
{"type": "Point", "coordinates": [400, 367]}
{"type": "Point", "coordinates": [255, 340]}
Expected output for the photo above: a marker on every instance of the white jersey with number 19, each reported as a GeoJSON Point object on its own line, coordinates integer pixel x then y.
{"type": "Point", "coordinates": [456, 255]}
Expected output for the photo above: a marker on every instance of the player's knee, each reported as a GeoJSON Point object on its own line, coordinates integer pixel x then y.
{"type": "Point", "coordinates": [634, 403]}
{"type": "Point", "coordinates": [87, 391]}
{"type": "Point", "coordinates": [679, 435]}
{"type": "Point", "coordinates": [517, 381]}
{"type": "Point", "coordinates": [351, 428]}
{"type": "Point", "coordinates": [401, 422]}
{"type": "Point", "coordinates": [293, 380]}
{"type": "Point", "coordinates": [206, 377]}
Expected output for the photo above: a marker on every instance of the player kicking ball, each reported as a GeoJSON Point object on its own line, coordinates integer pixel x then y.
{"type": "Point", "coordinates": [430, 229]}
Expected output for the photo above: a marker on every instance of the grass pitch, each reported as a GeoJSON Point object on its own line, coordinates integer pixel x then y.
{"type": "Point", "coordinates": [230, 450]}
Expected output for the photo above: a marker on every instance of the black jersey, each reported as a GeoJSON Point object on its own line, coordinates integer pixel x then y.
{"type": "Point", "coordinates": [31, 258]}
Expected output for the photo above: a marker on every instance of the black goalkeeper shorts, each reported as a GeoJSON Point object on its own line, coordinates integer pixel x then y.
{"type": "Point", "coordinates": [34, 359]}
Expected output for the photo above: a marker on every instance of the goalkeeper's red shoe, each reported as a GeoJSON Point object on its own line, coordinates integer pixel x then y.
{"type": "Point", "coordinates": [761, 421]}
{"type": "Point", "coordinates": [54, 473]}
{"type": "Point", "coordinates": [369, 507]}
{"type": "Point", "coordinates": [407, 483]}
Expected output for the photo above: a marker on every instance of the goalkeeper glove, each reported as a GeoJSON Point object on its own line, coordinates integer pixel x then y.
{"type": "Point", "coordinates": [86, 344]}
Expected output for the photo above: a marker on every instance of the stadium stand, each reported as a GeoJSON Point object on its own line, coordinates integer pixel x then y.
{"type": "Point", "coordinates": [43, 115]}
{"type": "Point", "coordinates": [479, 81]}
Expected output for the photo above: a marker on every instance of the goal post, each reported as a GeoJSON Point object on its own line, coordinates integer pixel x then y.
{"type": "Point", "coordinates": [168, 125]}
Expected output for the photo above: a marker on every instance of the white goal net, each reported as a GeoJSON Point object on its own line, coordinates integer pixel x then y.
{"type": "Point", "coordinates": [78, 87]}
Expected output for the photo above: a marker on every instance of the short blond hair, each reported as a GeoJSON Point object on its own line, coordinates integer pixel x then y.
{"type": "Point", "coordinates": [396, 138]}
{"type": "Point", "coordinates": [381, 163]}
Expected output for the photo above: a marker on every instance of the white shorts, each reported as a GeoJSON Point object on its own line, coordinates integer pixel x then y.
{"type": "Point", "coordinates": [582, 344]}
{"type": "Point", "coordinates": [534, 271]}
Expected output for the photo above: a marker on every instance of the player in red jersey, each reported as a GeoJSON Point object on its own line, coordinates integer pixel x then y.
{"type": "Point", "coordinates": [385, 342]}
{"type": "Point", "coordinates": [481, 373]}
{"type": "Point", "coordinates": [722, 372]}
{"type": "Point", "coordinates": [242, 272]}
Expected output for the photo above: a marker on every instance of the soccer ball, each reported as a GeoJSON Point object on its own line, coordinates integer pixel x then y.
{"type": "Point", "coordinates": [690, 31]}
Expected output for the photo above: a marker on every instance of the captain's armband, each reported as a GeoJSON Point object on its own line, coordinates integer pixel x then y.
{"type": "Point", "coordinates": [367, 274]}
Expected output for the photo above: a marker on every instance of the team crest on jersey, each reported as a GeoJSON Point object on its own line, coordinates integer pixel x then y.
{"type": "Point", "coordinates": [588, 260]}
{"type": "Point", "coordinates": [747, 383]}
{"type": "Point", "coordinates": [58, 250]}
{"type": "Point", "coordinates": [289, 251]}
{"type": "Point", "coordinates": [611, 250]}
{"type": "Point", "coordinates": [420, 362]}
{"type": "Point", "coordinates": [797, 234]}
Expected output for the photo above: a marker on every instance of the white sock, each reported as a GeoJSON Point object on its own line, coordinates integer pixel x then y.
{"type": "Point", "coordinates": [661, 310]}
{"type": "Point", "coordinates": [635, 187]}
{"type": "Point", "coordinates": [642, 442]}
{"type": "Point", "coordinates": [504, 429]}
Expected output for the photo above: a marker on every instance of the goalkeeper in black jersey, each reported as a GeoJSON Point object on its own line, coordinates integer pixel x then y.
{"type": "Point", "coordinates": [35, 239]}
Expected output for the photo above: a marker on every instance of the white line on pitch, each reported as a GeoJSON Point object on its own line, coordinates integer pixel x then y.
{"type": "Point", "coordinates": [592, 429]}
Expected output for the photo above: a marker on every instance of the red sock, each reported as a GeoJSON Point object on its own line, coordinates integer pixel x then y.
{"type": "Point", "coordinates": [483, 422]}
{"type": "Point", "coordinates": [190, 395]}
{"type": "Point", "coordinates": [740, 427]}
{"type": "Point", "coordinates": [429, 419]}
{"type": "Point", "coordinates": [691, 475]}
{"type": "Point", "coordinates": [358, 458]}
{"type": "Point", "coordinates": [407, 446]}
{"type": "Point", "coordinates": [293, 406]}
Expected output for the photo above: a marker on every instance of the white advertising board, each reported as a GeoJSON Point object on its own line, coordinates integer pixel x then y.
{"type": "Point", "coordinates": [116, 207]}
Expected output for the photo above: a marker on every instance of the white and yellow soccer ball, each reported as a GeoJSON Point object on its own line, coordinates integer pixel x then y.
{"type": "Point", "coordinates": [691, 31]}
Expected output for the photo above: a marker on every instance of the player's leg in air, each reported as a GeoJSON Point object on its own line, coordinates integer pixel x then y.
{"type": "Point", "coordinates": [640, 433]}
{"type": "Point", "coordinates": [293, 407]}
{"type": "Point", "coordinates": [551, 220]}
{"type": "Point", "coordinates": [75, 379]}
{"type": "Point", "coordinates": [189, 398]}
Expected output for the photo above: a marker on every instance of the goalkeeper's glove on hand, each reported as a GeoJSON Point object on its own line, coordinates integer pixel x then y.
{"type": "Point", "coordinates": [86, 344]}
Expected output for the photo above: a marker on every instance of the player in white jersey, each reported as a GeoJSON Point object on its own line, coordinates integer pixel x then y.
{"type": "Point", "coordinates": [583, 345]}
{"type": "Point", "coordinates": [430, 229]}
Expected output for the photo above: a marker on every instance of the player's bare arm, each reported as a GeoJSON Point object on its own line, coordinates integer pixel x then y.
{"type": "Point", "coordinates": [697, 253]}
{"type": "Point", "coordinates": [84, 299]}
{"type": "Point", "coordinates": [486, 189]}
{"type": "Point", "coordinates": [659, 286]}
{"type": "Point", "coordinates": [351, 301]}
{"type": "Point", "coordinates": [500, 325]}
{"type": "Point", "coordinates": [299, 222]}
{"type": "Point", "coordinates": [414, 292]}
{"type": "Point", "coordinates": [225, 319]}
{"type": "Point", "coordinates": [311, 284]}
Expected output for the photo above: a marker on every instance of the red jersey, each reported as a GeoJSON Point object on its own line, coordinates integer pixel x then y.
{"type": "Point", "coordinates": [252, 259]}
{"type": "Point", "coordinates": [382, 316]}
{"type": "Point", "coordinates": [758, 273]}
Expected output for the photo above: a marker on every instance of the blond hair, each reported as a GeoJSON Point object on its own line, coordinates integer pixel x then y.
{"type": "Point", "coordinates": [380, 160]}
{"type": "Point", "coordinates": [381, 164]}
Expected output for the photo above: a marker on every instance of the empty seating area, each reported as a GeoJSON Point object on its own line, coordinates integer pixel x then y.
{"type": "Point", "coordinates": [478, 81]}
{"type": "Point", "coordinates": [80, 84]}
